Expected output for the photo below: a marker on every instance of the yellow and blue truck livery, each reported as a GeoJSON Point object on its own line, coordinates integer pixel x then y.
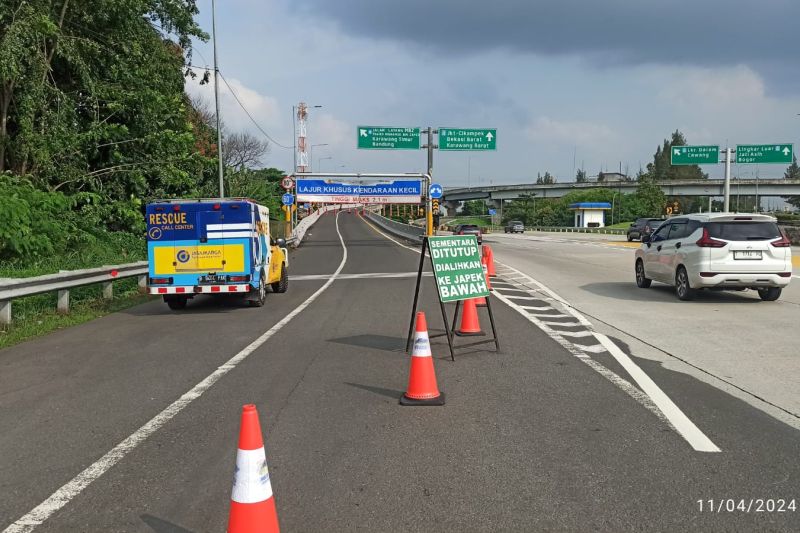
{"type": "Point", "coordinates": [214, 246]}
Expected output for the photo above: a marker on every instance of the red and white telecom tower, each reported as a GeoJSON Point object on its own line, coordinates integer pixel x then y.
{"type": "Point", "coordinates": [302, 156]}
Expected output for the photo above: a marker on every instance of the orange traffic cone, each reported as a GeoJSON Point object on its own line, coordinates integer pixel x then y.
{"type": "Point", "coordinates": [252, 504]}
{"type": "Point", "coordinates": [481, 301]}
{"type": "Point", "coordinates": [422, 388]}
{"type": "Point", "coordinates": [469, 320]}
{"type": "Point", "coordinates": [484, 264]}
{"type": "Point", "coordinates": [489, 255]}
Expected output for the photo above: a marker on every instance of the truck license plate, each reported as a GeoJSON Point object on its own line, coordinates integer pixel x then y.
{"type": "Point", "coordinates": [747, 254]}
{"type": "Point", "coordinates": [212, 278]}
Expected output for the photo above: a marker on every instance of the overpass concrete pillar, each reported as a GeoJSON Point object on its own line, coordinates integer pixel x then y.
{"type": "Point", "coordinates": [451, 205]}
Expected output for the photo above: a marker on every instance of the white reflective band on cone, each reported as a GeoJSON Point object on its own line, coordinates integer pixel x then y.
{"type": "Point", "coordinates": [251, 479]}
{"type": "Point", "coordinates": [422, 346]}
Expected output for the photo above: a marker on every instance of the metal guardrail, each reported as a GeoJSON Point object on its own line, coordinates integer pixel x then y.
{"type": "Point", "coordinates": [404, 231]}
{"type": "Point", "coordinates": [561, 229]}
{"type": "Point", "coordinates": [11, 288]}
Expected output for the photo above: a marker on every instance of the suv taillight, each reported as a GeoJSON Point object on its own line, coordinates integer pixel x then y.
{"type": "Point", "coordinates": [707, 242]}
{"type": "Point", "coordinates": [783, 242]}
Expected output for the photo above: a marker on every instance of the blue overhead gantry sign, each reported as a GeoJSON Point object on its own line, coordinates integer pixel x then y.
{"type": "Point", "coordinates": [385, 192]}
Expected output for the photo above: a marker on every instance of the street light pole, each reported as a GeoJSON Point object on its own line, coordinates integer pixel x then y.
{"type": "Point", "coordinates": [216, 99]}
{"type": "Point", "coordinates": [311, 154]}
{"type": "Point", "coordinates": [319, 167]}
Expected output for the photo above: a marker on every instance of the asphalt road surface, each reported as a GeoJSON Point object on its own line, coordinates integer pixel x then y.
{"type": "Point", "coordinates": [542, 436]}
{"type": "Point", "coordinates": [730, 339]}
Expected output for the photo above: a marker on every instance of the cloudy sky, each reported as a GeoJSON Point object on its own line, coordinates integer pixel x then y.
{"type": "Point", "coordinates": [567, 83]}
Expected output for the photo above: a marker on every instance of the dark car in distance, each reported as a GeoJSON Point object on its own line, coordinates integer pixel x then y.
{"type": "Point", "coordinates": [642, 227]}
{"type": "Point", "coordinates": [514, 226]}
{"type": "Point", "coordinates": [469, 229]}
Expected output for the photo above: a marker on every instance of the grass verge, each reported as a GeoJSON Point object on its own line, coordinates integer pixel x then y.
{"type": "Point", "coordinates": [35, 316]}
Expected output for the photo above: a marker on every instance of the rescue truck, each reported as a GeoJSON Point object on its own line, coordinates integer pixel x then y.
{"type": "Point", "coordinates": [213, 246]}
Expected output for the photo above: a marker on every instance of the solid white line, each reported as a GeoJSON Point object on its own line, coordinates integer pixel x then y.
{"type": "Point", "coordinates": [71, 489]}
{"type": "Point", "coordinates": [680, 421]}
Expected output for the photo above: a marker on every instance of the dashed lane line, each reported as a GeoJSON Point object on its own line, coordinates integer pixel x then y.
{"type": "Point", "coordinates": [72, 488]}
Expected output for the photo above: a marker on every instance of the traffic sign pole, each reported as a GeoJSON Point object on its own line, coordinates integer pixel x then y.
{"type": "Point", "coordinates": [728, 160]}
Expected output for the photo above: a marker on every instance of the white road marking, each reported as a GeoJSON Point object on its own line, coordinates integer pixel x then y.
{"type": "Point", "coordinates": [594, 348]}
{"type": "Point", "coordinates": [549, 315]}
{"type": "Point", "coordinates": [540, 308]}
{"type": "Point", "coordinates": [72, 488]}
{"type": "Point", "coordinates": [656, 397]}
{"type": "Point", "coordinates": [366, 275]}
{"type": "Point", "coordinates": [663, 408]}
{"type": "Point", "coordinates": [576, 333]}
{"type": "Point", "coordinates": [553, 323]}
{"type": "Point", "coordinates": [680, 421]}
{"type": "Point", "coordinates": [620, 382]}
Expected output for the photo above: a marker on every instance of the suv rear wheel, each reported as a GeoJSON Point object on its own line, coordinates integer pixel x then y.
{"type": "Point", "coordinates": [642, 281]}
{"type": "Point", "coordinates": [682, 288]}
{"type": "Point", "coordinates": [770, 294]}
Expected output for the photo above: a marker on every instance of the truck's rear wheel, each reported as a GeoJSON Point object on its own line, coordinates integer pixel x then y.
{"type": "Point", "coordinates": [283, 284]}
{"type": "Point", "coordinates": [261, 293]}
{"type": "Point", "coordinates": [176, 303]}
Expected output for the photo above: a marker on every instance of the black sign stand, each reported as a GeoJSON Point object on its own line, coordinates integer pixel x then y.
{"type": "Point", "coordinates": [449, 331]}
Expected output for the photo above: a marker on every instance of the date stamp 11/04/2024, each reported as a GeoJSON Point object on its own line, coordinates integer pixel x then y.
{"type": "Point", "coordinates": [747, 505]}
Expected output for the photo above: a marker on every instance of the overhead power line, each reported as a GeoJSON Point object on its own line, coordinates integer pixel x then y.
{"type": "Point", "coordinates": [256, 124]}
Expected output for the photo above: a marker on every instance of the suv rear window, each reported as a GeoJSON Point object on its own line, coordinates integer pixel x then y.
{"type": "Point", "coordinates": [744, 231]}
{"type": "Point", "coordinates": [515, 223]}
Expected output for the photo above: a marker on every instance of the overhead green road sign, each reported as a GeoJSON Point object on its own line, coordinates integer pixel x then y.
{"type": "Point", "coordinates": [457, 267]}
{"type": "Point", "coordinates": [387, 138]}
{"type": "Point", "coordinates": [467, 139]}
{"type": "Point", "coordinates": [764, 153]}
{"type": "Point", "coordinates": [694, 155]}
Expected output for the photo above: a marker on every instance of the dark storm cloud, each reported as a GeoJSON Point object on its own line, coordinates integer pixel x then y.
{"type": "Point", "coordinates": [693, 32]}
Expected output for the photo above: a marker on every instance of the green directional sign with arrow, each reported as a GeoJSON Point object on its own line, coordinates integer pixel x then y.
{"type": "Point", "coordinates": [387, 138]}
{"type": "Point", "coordinates": [467, 139]}
{"type": "Point", "coordinates": [694, 155]}
{"type": "Point", "coordinates": [764, 153]}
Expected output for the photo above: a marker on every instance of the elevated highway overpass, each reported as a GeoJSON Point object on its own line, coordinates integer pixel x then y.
{"type": "Point", "coordinates": [710, 187]}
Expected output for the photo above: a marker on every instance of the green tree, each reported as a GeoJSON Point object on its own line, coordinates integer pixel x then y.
{"type": "Point", "coordinates": [793, 173]}
{"type": "Point", "coordinates": [474, 207]}
{"type": "Point", "coordinates": [91, 99]}
{"type": "Point", "coordinates": [547, 179]}
{"type": "Point", "coordinates": [580, 176]}
{"type": "Point", "coordinates": [662, 169]}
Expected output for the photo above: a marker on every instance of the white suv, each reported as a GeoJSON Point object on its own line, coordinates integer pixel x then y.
{"type": "Point", "coordinates": [717, 251]}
